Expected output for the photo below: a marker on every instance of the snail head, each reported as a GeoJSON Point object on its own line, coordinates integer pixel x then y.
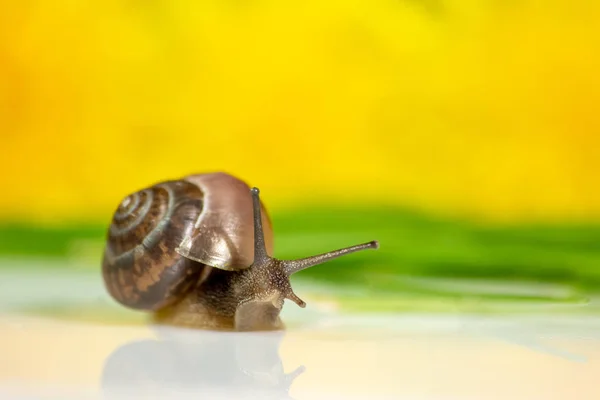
{"type": "Point", "coordinates": [277, 271]}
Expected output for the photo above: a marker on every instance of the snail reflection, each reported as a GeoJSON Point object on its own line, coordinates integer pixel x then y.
{"type": "Point", "coordinates": [215, 364]}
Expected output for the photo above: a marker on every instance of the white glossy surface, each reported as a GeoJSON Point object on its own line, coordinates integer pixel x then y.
{"type": "Point", "coordinates": [323, 355]}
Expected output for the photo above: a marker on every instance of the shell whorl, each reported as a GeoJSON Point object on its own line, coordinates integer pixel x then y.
{"type": "Point", "coordinates": [141, 269]}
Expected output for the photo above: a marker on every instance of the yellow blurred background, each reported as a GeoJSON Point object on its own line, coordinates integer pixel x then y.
{"type": "Point", "coordinates": [485, 109]}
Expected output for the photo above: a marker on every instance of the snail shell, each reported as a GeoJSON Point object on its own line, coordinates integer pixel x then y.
{"type": "Point", "coordinates": [165, 239]}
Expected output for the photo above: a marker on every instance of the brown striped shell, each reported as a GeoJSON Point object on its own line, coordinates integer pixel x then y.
{"type": "Point", "coordinates": [164, 239]}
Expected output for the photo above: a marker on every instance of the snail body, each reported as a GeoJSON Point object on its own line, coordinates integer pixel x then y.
{"type": "Point", "coordinates": [196, 252]}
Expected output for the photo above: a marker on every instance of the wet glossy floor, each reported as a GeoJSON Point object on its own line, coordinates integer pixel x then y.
{"type": "Point", "coordinates": [418, 358]}
{"type": "Point", "coordinates": [323, 355]}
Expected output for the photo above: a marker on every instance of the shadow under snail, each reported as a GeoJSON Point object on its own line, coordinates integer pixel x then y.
{"type": "Point", "coordinates": [195, 252]}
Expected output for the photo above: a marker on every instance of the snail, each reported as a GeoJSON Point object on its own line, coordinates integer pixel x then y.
{"type": "Point", "coordinates": [195, 252]}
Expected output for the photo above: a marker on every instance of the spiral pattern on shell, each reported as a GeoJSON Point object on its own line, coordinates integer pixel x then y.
{"type": "Point", "coordinates": [141, 268]}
